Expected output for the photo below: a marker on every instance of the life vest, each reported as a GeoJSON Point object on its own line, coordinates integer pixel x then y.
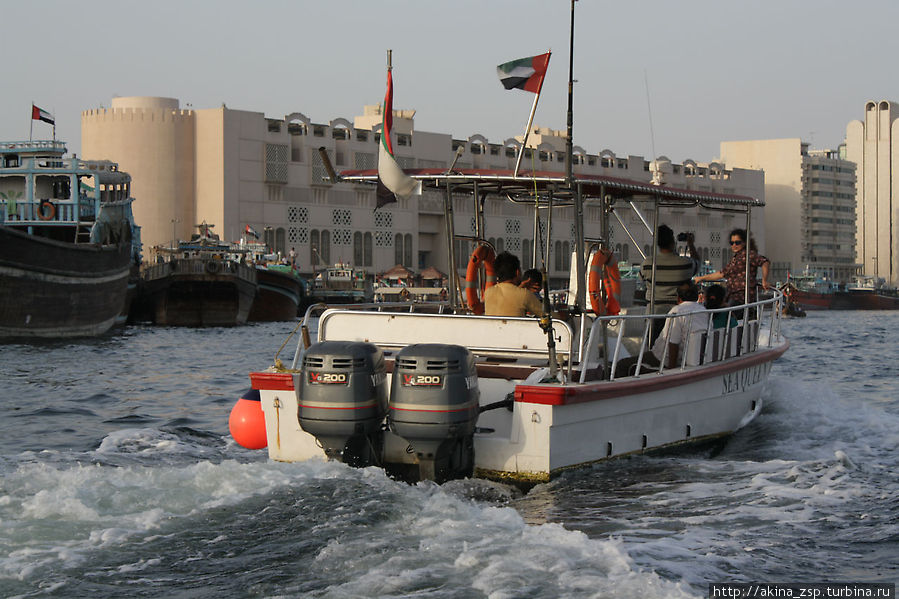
{"type": "Point", "coordinates": [604, 275]}
{"type": "Point", "coordinates": [483, 254]}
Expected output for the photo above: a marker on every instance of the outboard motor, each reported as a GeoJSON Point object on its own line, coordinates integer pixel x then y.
{"type": "Point", "coordinates": [342, 398]}
{"type": "Point", "coordinates": [433, 406]}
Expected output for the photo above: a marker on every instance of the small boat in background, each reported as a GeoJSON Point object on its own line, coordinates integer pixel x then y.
{"type": "Point", "coordinates": [811, 290]}
{"type": "Point", "coordinates": [68, 242]}
{"type": "Point", "coordinates": [867, 293]}
{"type": "Point", "coordinates": [341, 284]}
{"type": "Point", "coordinates": [203, 282]}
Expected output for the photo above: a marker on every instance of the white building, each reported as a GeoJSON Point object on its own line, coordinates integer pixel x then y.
{"type": "Point", "coordinates": [809, 205]}
{"type": "Point", "coordinates": [235, 168]}
{"type": "Point", "coordinates": [873, 144]}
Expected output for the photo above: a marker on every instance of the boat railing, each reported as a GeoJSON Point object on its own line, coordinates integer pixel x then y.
{"type": "Point", "coordinates": [197, 266]}
{"type": "Point", "coordinates": [740, 334]}
{"type": "Point", "coordinates": [60, 212]}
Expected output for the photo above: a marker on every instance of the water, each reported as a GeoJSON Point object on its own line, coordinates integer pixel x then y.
{"type": "Point", "coordinates": [119, 479]}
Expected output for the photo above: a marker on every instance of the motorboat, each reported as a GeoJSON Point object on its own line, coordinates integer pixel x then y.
{"type": "Point", "coordinates": [441, 396]}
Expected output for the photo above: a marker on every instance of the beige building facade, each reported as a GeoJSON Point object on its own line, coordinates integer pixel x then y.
{"type": "Point", "coordinates": [234, 168]}
{"type": "Point", "coordinates": [873, 144]}
{"type": "Point", "coordinates": [810, 205]}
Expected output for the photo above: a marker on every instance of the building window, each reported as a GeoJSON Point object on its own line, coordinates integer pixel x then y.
{"type": "Point", "coordinates": [280, 236]}
{"type": "Point", "coordinates": [527, 253]}
{"type": "Point", "coordinates": [402, 250]}
{"type": "Point", "coordinates": [276, 157]}
{"type": "Point", "coordinates": [320, 248]}
{"type": "Point", "coordinates": [268, 238]}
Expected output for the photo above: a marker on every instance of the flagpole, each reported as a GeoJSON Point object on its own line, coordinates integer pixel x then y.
{"type": "Point", "coordinates": [530, 122]}
{"type": "Point", "coordinates": [527, 132]}
{"type": "Point", "coordinates": [31, 127]}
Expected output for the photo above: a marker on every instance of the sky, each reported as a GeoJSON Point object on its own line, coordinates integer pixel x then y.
{"type": "Point", "coordinates": [653, 77]}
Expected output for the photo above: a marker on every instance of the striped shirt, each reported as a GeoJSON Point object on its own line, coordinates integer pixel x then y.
{"type": "Point", "coordinates": [671, 272]}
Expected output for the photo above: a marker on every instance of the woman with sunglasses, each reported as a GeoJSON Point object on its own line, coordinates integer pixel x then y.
{"type": "Point", "coordinates": [735, 271]}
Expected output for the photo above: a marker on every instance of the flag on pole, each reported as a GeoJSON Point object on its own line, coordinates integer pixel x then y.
{"type": "Point", "coordinates": [524, 73]}
{"type": "Point", "coordinates": [389, 172]}
{"type": "Point", "coordinates": [38, 114]}
{"type": "Point", "coordinates": [252, 231]}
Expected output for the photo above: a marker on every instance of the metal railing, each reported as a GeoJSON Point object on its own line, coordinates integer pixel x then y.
{"type": "Point", "coordinates": [739, 335]}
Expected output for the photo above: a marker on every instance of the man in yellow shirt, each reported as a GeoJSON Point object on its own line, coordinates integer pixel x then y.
{"type": "Point", "coordinates": [506, 298]}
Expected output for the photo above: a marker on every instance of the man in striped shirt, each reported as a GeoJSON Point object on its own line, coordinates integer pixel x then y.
{"type": "Point", "coordinates": [672, 270]}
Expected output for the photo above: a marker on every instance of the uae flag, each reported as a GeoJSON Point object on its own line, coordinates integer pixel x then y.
{"type": "Point", "coordinates": [524, 73]}
{"type": "Point", "coordinates": [41, 115]}
{"type": "Point", "coordinates": [252, 231]}
{"type": "Point", "coordinates": [389, 172]}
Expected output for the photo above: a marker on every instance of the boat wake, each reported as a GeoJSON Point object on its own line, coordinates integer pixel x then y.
{"type": "Point", "coordinates": [318, 528]}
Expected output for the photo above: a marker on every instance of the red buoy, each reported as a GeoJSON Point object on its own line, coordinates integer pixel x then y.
{"type": "Point", "coordinates": [247, 421]}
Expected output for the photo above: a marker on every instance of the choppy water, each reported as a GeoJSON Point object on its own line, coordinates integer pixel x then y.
{"type": "Point", "coordinates": [119, 479]}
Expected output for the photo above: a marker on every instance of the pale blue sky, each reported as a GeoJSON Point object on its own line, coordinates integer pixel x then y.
{"type": "Point", "coordinates": [717, 70]}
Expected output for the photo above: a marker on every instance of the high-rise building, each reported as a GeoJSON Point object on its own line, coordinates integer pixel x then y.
{"type": "Point", "coordinates": [234, 168]}
{"type": "Point", "coordinates": [873, 144]}
{"type": "Point", "coordinates": [809, 205]}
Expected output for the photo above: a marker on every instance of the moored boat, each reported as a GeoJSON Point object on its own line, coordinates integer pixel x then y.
{"type": "Point", "coordinates": [810, 290]}
{"type": "Point", "coordinates": [867, 293]}
{"type": "Point", "coordinates": [341, 284]}
{"type": "Point", "coordinates": [68, 242]}
{"type": "Point", "coordinates": [280, 293]}
{"type": "Point", "coordinates": [199, 283]}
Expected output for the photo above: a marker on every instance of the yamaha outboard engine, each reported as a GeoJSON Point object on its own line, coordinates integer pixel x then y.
{"type": "Point", "coordinates": [434, 409]}
{"type": "Point", "coordinates": [342, 397]}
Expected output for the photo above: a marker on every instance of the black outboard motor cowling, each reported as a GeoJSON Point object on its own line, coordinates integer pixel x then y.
{"type": "Point", "coordinates": [433, 406]}
{"type": "Point", "coordinates": [342, 398]}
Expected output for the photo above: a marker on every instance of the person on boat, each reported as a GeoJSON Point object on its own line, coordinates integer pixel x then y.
{"type": "Point", "coordinates": [735, 271]}
{"type": "Point", "coordinates": [532, 279]}
{"type": "Point", "coordinates": [714, 299]}
{"type": "Point", "coordinates": [688, 319]}
{"type": "Point", "coordinates": [672, 271]}
{"type": "Point", "coordinates": [506, 298]}
{"type": "Point", "coordinates": [292, 256]}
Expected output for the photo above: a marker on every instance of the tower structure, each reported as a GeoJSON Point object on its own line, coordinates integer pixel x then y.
{"type": "Point", "coordinates": [873, 144]}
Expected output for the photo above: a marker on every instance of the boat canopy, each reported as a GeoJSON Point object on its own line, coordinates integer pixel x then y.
{"type": "Point", "coordinates": [502, 182]}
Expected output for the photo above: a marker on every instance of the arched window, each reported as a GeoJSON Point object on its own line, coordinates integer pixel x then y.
{"type": "Point", "coordinates": [358, 252]}
{"type": "Point", "coordinates": [558, 257]}
{"type": "Point", "coordinates": [268, 238]}
{"type": "Point", "coordinates": [314, 245]}
{"type": "Point", "coordinates": [625, 252]}
{"type": "Point", "coordinates": [326, 247]}
{"type": "Point", "coordinates": [367, 249]}
{"type": "Point", "coordinates": [566, 255]}
{"type": "Point", "coordinates": [461, 249]}
{"type": "Point", "coordinates": [407, 251]}
{"type": "Point", "coordinates": [280, 241]}
{"type": "Point", "coordinates": [398, 249]}
{"type": "Point", "coordinates": [527, 260]}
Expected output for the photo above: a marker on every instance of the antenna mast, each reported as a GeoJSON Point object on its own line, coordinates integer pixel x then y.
{"type": "Point", "coordinates": [568, 143]}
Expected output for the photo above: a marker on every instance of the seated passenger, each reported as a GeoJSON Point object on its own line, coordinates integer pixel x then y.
{"type": "Point", "coordinates": [714, 299]}
{"type": "Point", "coordinates": [678, 334]}
{"type": "Point", "coordinates": [506, 298]}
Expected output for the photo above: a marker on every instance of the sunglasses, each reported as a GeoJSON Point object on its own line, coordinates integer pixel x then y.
{"type": "Point", "coordinates": [737, 242]}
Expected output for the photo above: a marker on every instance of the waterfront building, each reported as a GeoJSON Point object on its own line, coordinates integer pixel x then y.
{"type": "Point", "coordinates": [236, 168]}
{"type": "Point", "coordinates": [873, 144]}
{"type": "Point", "coordinates": [810, 205]}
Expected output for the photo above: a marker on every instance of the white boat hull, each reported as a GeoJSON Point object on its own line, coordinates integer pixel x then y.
{"type": "Point", "coordinates": [555, 426]}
